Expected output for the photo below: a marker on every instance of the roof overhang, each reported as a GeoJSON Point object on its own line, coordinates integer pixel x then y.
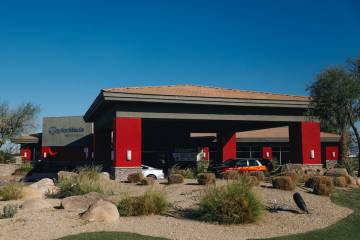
{"type": "Point", "coordinates": [105, 96]}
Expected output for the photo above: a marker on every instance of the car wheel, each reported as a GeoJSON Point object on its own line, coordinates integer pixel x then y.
{"type": "Point", "coordinates": [152, 176]}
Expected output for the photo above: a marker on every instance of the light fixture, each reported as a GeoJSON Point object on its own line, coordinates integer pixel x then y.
{"type": "Point", "coordinates": [312, 154]}
{"type": "Point", "coordinates": [128, 155]}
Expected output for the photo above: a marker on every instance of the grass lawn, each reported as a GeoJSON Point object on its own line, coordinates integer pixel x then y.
{"type": "Point", "coordinates": [348, 228]}
{"type": "Point", "coordinates": [110, 236]}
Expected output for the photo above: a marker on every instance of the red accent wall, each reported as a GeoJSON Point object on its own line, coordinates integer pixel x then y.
{"type": "Point", "coordinates": [311, 141]}
{"type": "Point", "coordinates": [26, 150]}
{"type": "Point", "coordinates": [227, 145]}
{"type": "Point", "coordinates": [206, 152]}
{"type": "Point", "coordinates": [264, 151]}
{"type": "Point", "coordinates": [127, 136]}
{"type": "Point", "coordinates": [330, 151]}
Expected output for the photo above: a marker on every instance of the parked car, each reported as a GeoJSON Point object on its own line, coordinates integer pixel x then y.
{"type": "Point", "coordinates": [241, 165]}
{"type": "Point", "coordinates": [152, 172]}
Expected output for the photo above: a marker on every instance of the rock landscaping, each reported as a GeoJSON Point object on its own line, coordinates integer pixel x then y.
{"type": "Point", "coordinates": [101, 211]}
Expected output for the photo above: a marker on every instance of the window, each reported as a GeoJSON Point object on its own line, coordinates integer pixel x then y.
{"type": "Point", "coordinates": [144, 167]}
{"type": "Point", "coordinates": [242, 163]}
{"type": "Point", "coordinates": [229, 163]}
{"type": "Point", "coordinates": [253, 151]}
{"type": "Point", "coordinates": [253, 163]}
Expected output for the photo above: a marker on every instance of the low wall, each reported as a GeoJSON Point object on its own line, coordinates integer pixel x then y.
{"type": "Point", "coordinates": [8, 169]}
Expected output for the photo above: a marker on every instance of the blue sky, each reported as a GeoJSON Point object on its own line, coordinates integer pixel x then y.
{"type": "Point", "coordinates": [59, 54]}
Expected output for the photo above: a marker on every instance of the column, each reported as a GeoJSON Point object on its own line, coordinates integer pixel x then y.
{"type": "Point", "coordinates": [127, 146]}
{"type": "Point", "coordinates": [304, 140]}
{"type": "Point", "coordinates": [226, 145]}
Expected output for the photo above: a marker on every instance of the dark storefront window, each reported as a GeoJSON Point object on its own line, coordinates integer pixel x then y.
{"type": "Point", "coordinates": [281, 154]}
{"type": "Point", "coordinates": [248, 151]}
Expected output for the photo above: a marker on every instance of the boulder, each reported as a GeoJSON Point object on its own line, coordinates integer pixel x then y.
{"type": "Point", "coordinates": [45, 185]}
{"type": "Point", "coordinates": [80, 203]}
{"type": "Point", "coordinates": [358, 181]}
{"type": "Point", "coordinates": [101, 211]}
{"type": "Point", "coordinates": [65, 174]}
{"type": "Point", "coordinates": [30, 193]}
{"type": "Point", "coordinates": [35, 204]}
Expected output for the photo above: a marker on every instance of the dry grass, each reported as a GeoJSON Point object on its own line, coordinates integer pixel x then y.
{"type": "Point", "coordinates": [152, 202]}
{"type": "Point", "coordinates": [340, 182]}
{"type": "Point", "coordinates": [175, 178]}
{"type": "Point", "coordinates": [283, 183]}
{"type": "Point", "coordinates": [135, 177]}
{"type": "Point", "coordinates": [206, 178]}
{"type": "Point", "coordinates": [11, 191]}
{"type": "Point", "coordinates": [324, 186]}
{"type": "Point", "coordinates": [231, 175]}
{"type": "Point", "coordinates": [148, 181]}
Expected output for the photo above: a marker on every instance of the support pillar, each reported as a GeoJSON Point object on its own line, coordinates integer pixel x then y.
{"type": "Point", "coordinates": [127, 140]}
{"type": "Point", "coordinates": [305, 145]}
{"type": "Point", "coordinates": [226, 145]}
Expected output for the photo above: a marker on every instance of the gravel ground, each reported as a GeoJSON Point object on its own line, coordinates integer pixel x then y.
{"type": "Point", "coordinates": [55, 223]}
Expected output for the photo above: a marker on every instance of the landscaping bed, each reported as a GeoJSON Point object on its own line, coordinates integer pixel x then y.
{"type": "Point", "coordinates": [51, 223]}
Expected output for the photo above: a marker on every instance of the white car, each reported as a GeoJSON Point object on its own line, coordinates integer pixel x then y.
{"type": "Point", "coordinates": [152, 172]}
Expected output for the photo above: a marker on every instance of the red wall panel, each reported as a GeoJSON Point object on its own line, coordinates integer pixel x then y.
{"type": "Point", "coordinates": [127, 137]}
{"type": "Point", "coordinates": [227, 145]}
{"type": "Point", "coordinates": [310, 140]}
{"type": "Point", "coordinates": [332, 153]}
{"type": "Point", "coordinates": [206, 153]}
{"type": "Point", "coordinates": [25, 153]}
{"type": "Point", "coordinates": [267, 150]}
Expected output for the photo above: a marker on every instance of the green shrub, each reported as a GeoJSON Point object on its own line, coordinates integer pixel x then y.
{"type": "Point", "coordinates": [6, 157]}
{"type": "Point", "coordinates": [231, 175]}
{"type": "Point", "coordinates": [202, 166]}
{"type": "Point", "coordinates": [87, 180]}
{"type": "Point", "coordinates": [231, 204]}
{"type": "Point", "coordinates": [135, 177]}
{"type": "Point", "coordinates": [175, 178]}
{"type": "Point", "coordinates": [152, 202]}
{"type": "Point", "coordinates": [11, 191]}
{"type": "Point", "coordinates": [206, 178]}
{"type": "Point", "coordinates": [283, 183]}
{"type": "Point", "coordinates": [9, 211]}
{"type": "Point", "coordinates": [24, 169]}
{"type": "Point", "coordinates": [324, 186]}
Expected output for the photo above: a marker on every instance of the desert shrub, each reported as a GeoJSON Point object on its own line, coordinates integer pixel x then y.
{"type": "Point", "coordinates": [323, 186]}
{"type": "Point", "coordinates": [148, 181]}
{"type": "Point", "coordinates": [340, 182]}
{"type": "Point", "coordinates": [310, 183]}
{"type": "Point", "coordinates": [292, 174]}
{"type": "Point", "coordinates": [135, 177]}
{"type": "Point", "coordinates": [206, 178]}
{"type": "Point", "coordinates": [11, 191]}
{"type": "Point", "coordinates": [90, 172]}
{"type": "Point", "coordinates": [230, 175]}
{"type": "Point", "coordinates": [283, 183]}
{"type": "Point", "coordinates": [152, 202]}
{"type": "Point", "coordinates": [202, 166]}
{"type": "Point", "coordinates": [24, 169]}
{"type": "Point", "coordinates": [231, 204]}
{"type": "Point", "coordinates": [9, 211]}
{"type": "Point", "coordinates": [87, 180]}
{"type": "Point", "coordinates": [259, 175]}
{"type": "Point", "coordinates": [6, 157]}
{"type": "Point", "coordinates": [175, 178]}
{"type": "Point", "coordinates": [186, 173]}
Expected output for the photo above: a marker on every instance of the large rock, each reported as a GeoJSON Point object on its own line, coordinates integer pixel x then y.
{"type": "Point", "coordinates": [64, 175]}
{"type": "Point", "coordinates": [45, 185]}
{"type": "Point", "coordinates": [31, 193]}
{"type": "Point", "coordinates": [80, 203]}
{"type": "Point", "coordinates": [35, 204]}
{"type": "Point", "coordinates": [101, 211]}
{"type": "Point", "coordinates": [358, 181]}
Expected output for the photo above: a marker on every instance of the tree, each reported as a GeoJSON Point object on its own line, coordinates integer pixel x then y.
{"type": "Point", "coordinates": [17, 121]}
{"type": "Point", "coordinates": [335, 99]}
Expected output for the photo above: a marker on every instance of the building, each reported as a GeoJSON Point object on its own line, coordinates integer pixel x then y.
{"type": "Point", "coordinates": [162, 125]}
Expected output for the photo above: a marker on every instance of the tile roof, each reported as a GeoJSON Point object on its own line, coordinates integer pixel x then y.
{"type": "Point", "coordinates": [187, 90]}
